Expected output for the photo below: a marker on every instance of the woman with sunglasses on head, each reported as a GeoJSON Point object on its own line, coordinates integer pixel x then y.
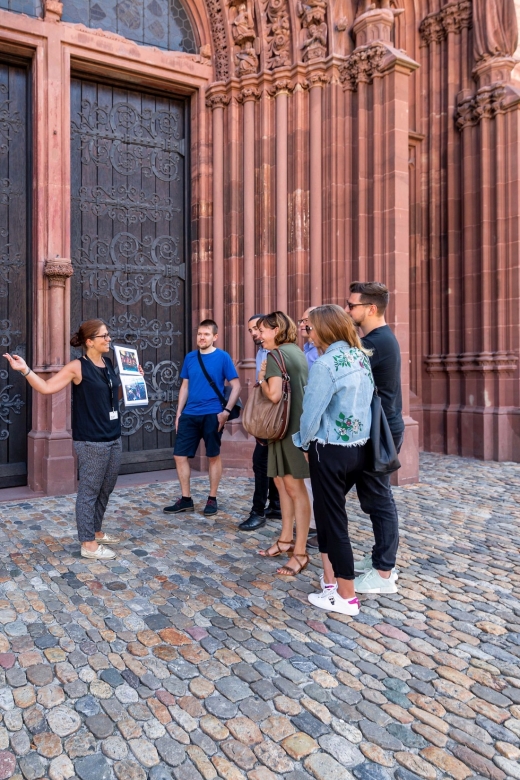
{"type": "Point", "coordinates": [96, 429]}
{"type": "Point", "coordinates": [285, 463]}
{"type": "Point", "coordinates": [335, 432]}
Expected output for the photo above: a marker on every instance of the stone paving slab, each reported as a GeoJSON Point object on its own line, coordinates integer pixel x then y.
{"type": "Point", "coordinates": [188, 658]}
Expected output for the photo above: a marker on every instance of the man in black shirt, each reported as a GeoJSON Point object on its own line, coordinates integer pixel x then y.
{"type": "Point", "coordinates": [367, 304]}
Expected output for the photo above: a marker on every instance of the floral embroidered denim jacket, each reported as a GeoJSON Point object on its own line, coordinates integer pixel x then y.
{"type": "Point", "coordinates": [336, 404]}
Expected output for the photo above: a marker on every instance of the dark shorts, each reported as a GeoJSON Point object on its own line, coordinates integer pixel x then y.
{"type": "Point", "coordinates": [193, 428]}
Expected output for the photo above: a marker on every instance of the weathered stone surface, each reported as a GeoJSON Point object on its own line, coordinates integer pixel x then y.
{"type": "Point", "coordinates": [299, 745]}
{"type": "Point", "coordinates": [129, 770]}
{"type": "Point", "coordinates": [7, 764]}
{"type": "Point", "coordinates": [47, 744]}
{"type": "Point", "coordinates": [63, 721]}
{"type": "Point", "coordinates": [324, 767]}
{"type": "Point", "coordinates": [256, 686]}
{"type": "Point", "coordinates": [144, 751]}
{"type": "Point", "coordinates": [32, 766]}
{"type": "Point", "coordinates": [245, 730]}
{"type": "Point", "coordinates": [273, 756]}
{"type": "Point", "coordinates": [92, 768]}
{"type": "Point", "coordinates": [61, 768]}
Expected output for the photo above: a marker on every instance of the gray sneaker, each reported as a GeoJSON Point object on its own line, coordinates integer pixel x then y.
{"type": "Point", "coordinates": [372, 582]}
{"type": "Point", "coordinates": [365, 564]}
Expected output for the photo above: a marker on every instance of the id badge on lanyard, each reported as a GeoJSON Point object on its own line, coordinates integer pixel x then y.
{"type": "Point", "coordinates": [114, 414]}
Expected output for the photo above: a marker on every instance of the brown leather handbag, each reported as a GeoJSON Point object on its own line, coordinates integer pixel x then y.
{"type": "Point", "coordinates": [261, 417]}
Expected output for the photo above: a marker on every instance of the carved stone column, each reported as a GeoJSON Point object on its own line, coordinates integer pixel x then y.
{"type": "Point", "coordinates": [317, 79]}
{"type": "Point", "coordinates": [487, 369]}
{"type": "Point", "coordinates": [57, 272]}
{"type": "Point", "coordinates": [51, 465]}
{"type": "Point", "coordinates": [248, 96]}
{"type": "Point", "coordinates": [280, 91]}
{"type": "Point", "coordinates": [217, 100]}
{"type": "Point", "coordinates": [380, 76]}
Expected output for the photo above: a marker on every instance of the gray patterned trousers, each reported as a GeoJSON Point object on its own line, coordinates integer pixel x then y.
{"type": "Point", "coordinates": [98, 465]}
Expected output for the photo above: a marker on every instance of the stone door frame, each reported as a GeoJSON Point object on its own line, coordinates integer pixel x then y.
{"type": "Point", "coordinates": [56, 51]}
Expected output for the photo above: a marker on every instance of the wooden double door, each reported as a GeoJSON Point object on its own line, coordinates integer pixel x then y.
{"type": "Point", "coordinates": [15, 253]}
{"type": "Point", "coordinates": [129, 240]}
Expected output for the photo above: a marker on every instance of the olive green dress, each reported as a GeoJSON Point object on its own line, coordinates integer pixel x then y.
{"type": "Point", "coordinates": [283, 457]}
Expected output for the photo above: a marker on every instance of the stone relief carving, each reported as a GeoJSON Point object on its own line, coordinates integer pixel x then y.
{"type": "Point", "coordinates": [361, 66]}
{"type": "Point", "coordinates": [486, 104]}
{"type": "Point", "coordinates": [452, 18]}
{"type": "Point", "coordinates": [218, 34]}
{"type": "Point", "coordinates": [313, 15]}
{"type": "Point", "coordinates": [241, 18]}
{"type": "Point", "coordinates": [495, 28]}
{"type": "Point", "coordinates": [58, 271]}
{"type": "Point", "coordinates": [278, 42]}
{"type": "Point", "coordinates": [217, 100]}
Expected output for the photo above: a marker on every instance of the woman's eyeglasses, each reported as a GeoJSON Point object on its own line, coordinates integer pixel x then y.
{"type": "Point", "coordinates": [105, 336]}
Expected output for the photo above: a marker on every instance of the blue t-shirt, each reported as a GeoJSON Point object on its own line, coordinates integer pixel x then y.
{"type": "Point", "coordinates": [201, 398]}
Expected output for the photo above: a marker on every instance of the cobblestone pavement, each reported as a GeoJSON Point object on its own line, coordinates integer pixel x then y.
{"type": "Point", "coordinates": [187, 657]}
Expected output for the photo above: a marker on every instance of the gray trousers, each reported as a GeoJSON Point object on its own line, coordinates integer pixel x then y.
{"type": "Point", "coordinates": [98, 465]}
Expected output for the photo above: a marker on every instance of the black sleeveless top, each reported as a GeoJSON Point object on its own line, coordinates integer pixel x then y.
{"type": "Point", "coordinates": [93, 400]}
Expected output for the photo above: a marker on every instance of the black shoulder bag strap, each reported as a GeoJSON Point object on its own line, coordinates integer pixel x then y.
{"type": "Point", "coordinates": [235, 411]}
{"type": "Point", "coordinates": [210, 381]}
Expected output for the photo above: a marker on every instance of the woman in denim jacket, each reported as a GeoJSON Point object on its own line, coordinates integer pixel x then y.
{"type": "Point", "coordinates": [335, 433]}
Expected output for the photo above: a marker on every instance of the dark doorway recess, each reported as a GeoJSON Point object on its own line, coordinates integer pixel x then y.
{"type": "Point", "coordinates": [15, 249]}
{"type": "Point", "coordinates": [129, 243]}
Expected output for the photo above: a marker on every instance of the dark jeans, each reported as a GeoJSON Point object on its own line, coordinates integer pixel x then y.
{"type": "Point", "coordinates": [264, 485]}
{"type": "Point", "coordinates": [334, 470]}
{"type": "Point", "coordinates": [377, 500]}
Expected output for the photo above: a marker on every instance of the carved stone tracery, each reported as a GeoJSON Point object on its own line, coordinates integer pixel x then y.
{"type": "Point", "coordinates": [218, 34]}
{"type": "Point", "coordinates": [362, 65]}
{"type": "Point", "coordinates": [278, 39]}
{"type": "Point", "coordinates": [485, 104]}
{"type": "Point", "coordinates": [313, 15]}
{"type": "Point", "coordinates": [452, 18]}
{"type": "Point", "coordinates": [241, 19]}
{"type": "Point", "coordinates": [58, 271]}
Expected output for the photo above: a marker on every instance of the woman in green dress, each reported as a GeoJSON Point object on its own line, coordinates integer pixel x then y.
{"type": "Point", "coordinates": [287, 464]}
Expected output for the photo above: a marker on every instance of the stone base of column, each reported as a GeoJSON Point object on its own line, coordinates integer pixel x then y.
{"type": "Point", "coordinates": [51, 465]}
{"type": "Point", "coordinates": [409, 455]}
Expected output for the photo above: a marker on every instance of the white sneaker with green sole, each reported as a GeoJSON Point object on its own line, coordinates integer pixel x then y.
{"type": "Point", "coordinates": [372, 582]}
{"type": "Point", "coordinates": [365, 564]}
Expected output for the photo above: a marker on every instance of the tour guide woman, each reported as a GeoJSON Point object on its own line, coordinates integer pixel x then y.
{"type": "Point", "coordinates": [96, 429]}
{"type": "Point", "coordinates": [284, 461]}
{"type": "Point", "coordinates": [335, 432]}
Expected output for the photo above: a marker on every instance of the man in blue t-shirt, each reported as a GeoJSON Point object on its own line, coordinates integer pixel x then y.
{"type": "Point", "coordinates": [201, 415]}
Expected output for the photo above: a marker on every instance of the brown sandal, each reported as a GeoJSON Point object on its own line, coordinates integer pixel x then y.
{"type": "Point", "coordinates": [286, 571]}
{"type": "Point", "coordinates": [279, 551]}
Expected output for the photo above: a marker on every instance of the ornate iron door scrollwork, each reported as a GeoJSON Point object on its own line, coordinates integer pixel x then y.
{"type": "Point", "coordinates": [129, 245]}
{"type": "Point", "coordinates": [14, 173]}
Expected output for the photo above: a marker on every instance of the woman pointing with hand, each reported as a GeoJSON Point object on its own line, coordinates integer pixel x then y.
{"type": "Point", "coordinates": [96, 428]}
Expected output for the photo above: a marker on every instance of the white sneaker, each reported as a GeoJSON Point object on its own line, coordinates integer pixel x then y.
{"type": "Point", "coordinates": [325, 586]}
{"type": "Point", "coordinates": [372, 582]}
{"type": "Point", "coordinates": [107, 539]}
{"type": "Point", "coordinates": [331, 601]}
{"type": "Point", "coordinates": [365, 564]}
{"type": "Point", "coordinates": [101, 554]}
